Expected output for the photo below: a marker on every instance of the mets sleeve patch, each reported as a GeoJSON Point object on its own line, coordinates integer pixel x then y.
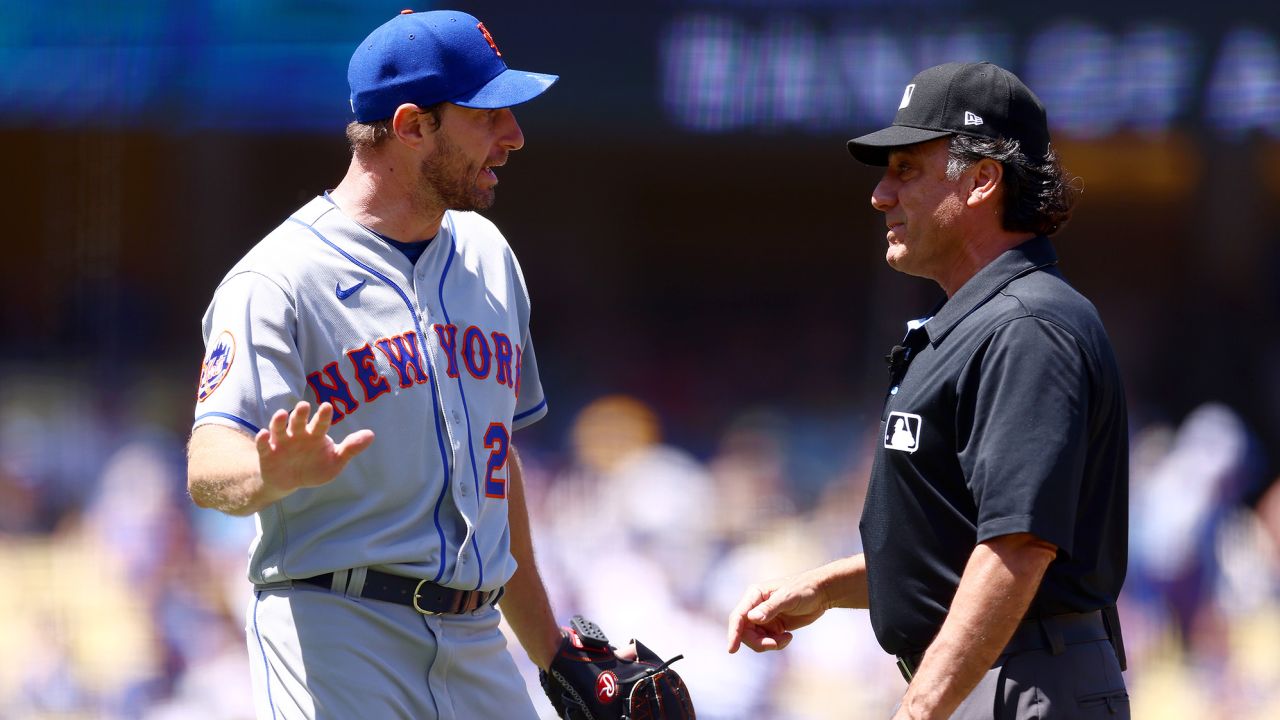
{"type": "Point", "coordinates": [217, 363]}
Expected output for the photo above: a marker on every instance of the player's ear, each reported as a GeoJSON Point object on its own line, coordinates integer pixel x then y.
{"type": "Point", "coordinates": [985, 176]}
{"type": "Point", "coordinates": [411, 125]}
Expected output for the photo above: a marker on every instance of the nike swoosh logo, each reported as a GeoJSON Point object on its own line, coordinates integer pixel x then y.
{"type": "Point", "coordinates": [344, 294]}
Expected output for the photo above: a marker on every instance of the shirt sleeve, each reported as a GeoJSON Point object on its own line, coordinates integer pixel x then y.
{"type": "Point", "coordinates": [251, 366]}
{"type": "Point", "coordinates": [1024, 397]}
{"type": "Point", "coordinates": [531, 404]}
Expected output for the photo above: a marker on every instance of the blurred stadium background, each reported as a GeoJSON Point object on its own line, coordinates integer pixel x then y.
{"type": "Point", "coordinates": [710, 302]}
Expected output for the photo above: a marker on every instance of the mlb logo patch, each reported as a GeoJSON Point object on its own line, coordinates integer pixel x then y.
{"type": "Point", "coordinates": [902, 432]}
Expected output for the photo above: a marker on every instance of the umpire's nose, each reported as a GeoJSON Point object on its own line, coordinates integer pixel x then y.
{"type": "Point", "coordinates": [510, 137]}
{"type": "Point", "coordinates": [885, 194]}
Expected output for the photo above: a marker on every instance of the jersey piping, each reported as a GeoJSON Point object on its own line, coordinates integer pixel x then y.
{"type": "Point", "coordinates": [435, 405]}
{"type": "Point", "coordinates": [248, 425]}
{"type": "Point", "coordinates": [266, 666]}
{"type": "Point", "coordinates": [466, 409]}
{"type": "Point", "coordinates": [529, 412]}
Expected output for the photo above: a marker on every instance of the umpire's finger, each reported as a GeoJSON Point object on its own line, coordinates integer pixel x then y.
{"type": "Point", "coordinates": [780, 598]}
{"type": "Point", "coordinates": [738, 622]}
{"type": "Point", "coordinates": [762, 638]}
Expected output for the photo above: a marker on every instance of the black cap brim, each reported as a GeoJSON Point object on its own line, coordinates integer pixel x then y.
{"type": "Point", "coordinates": [873, 149]}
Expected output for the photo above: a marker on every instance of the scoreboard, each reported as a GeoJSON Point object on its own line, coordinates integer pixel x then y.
{"type": "Point", "coordinates": [692, 67]}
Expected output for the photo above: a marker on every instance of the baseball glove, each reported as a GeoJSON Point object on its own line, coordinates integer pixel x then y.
{"type": "Point", "coordinates": [587, 681]}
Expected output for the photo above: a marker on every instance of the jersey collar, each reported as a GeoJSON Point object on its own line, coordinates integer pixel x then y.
{"type": "Point", "coordinates": [1032, 255]}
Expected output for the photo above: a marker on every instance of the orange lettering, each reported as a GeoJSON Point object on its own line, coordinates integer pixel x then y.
{"type": "Point", "coordinates": [489, 37]}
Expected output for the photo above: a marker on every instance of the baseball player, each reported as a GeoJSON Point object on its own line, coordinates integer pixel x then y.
{"type": "Point", "coordinates": [367, 364]}
{"type": "Point", "coordinates": [995, 523]}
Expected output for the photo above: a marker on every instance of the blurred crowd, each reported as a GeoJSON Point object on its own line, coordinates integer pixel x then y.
{"type": "Point", "coordinates": [122, 600]}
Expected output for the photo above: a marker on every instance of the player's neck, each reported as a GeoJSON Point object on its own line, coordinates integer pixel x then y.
{"type": "Point", "coordinates": [379, 200]}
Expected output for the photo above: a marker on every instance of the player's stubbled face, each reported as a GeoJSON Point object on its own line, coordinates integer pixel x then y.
{"type": "Point", "coordinates": [458, 174]}
{"type": "Point", "coordinates": [920, 206]}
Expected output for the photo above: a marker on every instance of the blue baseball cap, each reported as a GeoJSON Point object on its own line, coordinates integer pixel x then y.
{"type": "Point", "coordinates": [432, 57]}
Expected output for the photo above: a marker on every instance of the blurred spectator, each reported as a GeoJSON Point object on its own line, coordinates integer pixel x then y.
{"type": "Point", "coordinates": [1179, 503]}
{"type": "Point", "coordinates": [111, 609]}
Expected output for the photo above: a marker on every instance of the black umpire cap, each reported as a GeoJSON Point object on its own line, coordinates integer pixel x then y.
{"type": "Point", "coordinates": [977, 99]}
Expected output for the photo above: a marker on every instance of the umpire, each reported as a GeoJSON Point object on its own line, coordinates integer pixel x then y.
{"type": "Point", "coordinates": [994, 530]}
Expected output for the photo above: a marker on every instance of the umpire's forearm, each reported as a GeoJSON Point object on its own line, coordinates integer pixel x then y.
{"type": "Point", "coordinates": [845, 582]}
{"type": "Point", "coordinates": [997, 587]}
{"type": "Point", "coordinates": [525, 604]}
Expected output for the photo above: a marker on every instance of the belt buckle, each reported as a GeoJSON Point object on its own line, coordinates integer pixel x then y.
{"type": "Point", "coordinates": [416, 606]}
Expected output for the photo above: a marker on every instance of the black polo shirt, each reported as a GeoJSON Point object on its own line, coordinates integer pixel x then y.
{"type": "Point", "coordinates": [1006, 416]}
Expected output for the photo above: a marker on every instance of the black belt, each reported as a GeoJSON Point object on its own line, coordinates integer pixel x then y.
{"type": "Point", "coordinates": [1052, 633]}
{"type": "Point", "coordinates": [424, 596]}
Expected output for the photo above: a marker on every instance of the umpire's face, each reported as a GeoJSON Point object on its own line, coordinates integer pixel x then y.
{"type": "Point", "coordinates": [924, 210]}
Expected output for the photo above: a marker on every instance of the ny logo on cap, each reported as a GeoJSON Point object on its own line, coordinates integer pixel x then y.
{"type": "Point", "coordinates": [971, 119]}
{"type": "Point", "coordinates": [489, 38]}
{"type": "Point", "coordinates": [906, 96]}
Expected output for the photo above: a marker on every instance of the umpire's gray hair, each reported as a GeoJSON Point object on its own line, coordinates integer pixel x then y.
{"type": "Point", "coordinates": [1038, 195]}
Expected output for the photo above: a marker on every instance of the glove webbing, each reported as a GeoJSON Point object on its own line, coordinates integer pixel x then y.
{"type": "Point", "coordinates": [650, 675]}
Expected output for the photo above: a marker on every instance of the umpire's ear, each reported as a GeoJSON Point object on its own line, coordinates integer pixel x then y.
{"type": "Point", "coordinates": [984, 178]}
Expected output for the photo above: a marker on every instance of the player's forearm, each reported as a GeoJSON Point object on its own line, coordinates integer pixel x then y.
{"type": "Point", "coordinates": [231, 494]}
{"type": "Point", "coordinates": [525, 604]}
{"type": "Point", "coordinates": [223, 472]}
{"type": "Point", "coordinates": [996, 589]}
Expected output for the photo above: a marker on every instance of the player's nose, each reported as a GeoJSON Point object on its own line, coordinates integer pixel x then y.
{"type": "Point", "coordinates": [510, 137]}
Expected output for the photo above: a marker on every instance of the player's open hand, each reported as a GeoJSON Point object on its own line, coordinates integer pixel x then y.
{"type": "Point", "coordinates": [768, 612]}
{"type": "Point", "coordinates": [295, 450]}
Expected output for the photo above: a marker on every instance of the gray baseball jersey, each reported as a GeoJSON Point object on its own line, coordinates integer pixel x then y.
{"type": "Point", "coordinates": [435, 358]}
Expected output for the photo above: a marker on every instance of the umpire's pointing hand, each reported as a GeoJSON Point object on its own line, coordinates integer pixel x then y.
{"type": "Point", "coordinates": [768, 612]}
{"type": "Point", "coordinates": [294, 453]}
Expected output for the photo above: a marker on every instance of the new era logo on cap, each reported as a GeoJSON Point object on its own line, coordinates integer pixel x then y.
{"type": "Point", "coordinates": [971, 119]}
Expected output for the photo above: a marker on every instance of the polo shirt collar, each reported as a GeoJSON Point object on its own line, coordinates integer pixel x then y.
{"type": "Point", "coordinates": [1031, 255]}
